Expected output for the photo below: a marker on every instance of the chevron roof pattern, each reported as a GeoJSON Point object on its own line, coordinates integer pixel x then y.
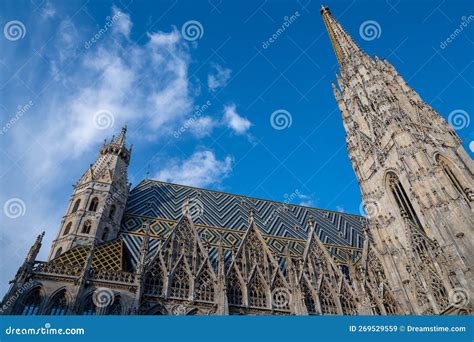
{"type": "Point", "coordinates": [219, 215]}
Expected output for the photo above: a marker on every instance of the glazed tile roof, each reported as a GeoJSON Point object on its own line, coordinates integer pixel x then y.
{"type": "Point", "coordinates": [223, 216]}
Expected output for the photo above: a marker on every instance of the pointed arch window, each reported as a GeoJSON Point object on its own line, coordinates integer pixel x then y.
{"type": "Point", "coordinates": [308, 298]}
{"type": "Point", "coordinates": [105, 234]}
{"type": "Point", "coordinates": [58, 304]}
{"type": "Point", "coordinates": [180, 283]}
{"type": "Point", "coordinates": [348, 302]}
{"type": "Point", "coordinates": [30, 304]}
{"type": "Point", "coordinates": [88, 308]}
{"type": "Point", "coordinates": [76, 206]}
{"type": "Point", "coordinates": [328, 305]}
{"type": "Point", "coordinates": [67, 229]}
{"type": "Point", "coordinates": [58, 252]}
{"type": "Point", "coordinates": [257, 293]}
{"type": "Point", "coordinates": [112, 211]}
{"type": "Point", "coordinates": [154, 281]}
{"type": "Point", "coordinates": [86, 228]}
{"type": "Point", "coordinates": [448, 170]}
{"type": "Point", "coordinates": [439, 293]}
{"type": "Point", "coordinates": [234, 289]}
{"type": "Point", "coordinates": [94, 204]}
{"type": "Point", "coordinates": [402, 200]}
{"type": "Point", "coordinates": [390, 304]}
{"type": "Point", "coordinates": [205, 287]}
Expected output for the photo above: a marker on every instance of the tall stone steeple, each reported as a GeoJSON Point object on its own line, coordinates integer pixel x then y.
{"type": "Point", "coordinates": [415, 178]}
{"type": "Point", "coordinates": [98, 201]}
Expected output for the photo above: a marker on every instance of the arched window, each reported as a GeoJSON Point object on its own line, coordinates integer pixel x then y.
{"type": "Point", "coordinates": [308, 298]}
{"type": "Point", "coordinates": [115, 308]}
{"type": "Point", "coordinates": [445, 164]}
{"type": "Point", "coordinates": [94, 204]}
{"type": "Point", "coordinates": [403, 202]}
{"type": "Point", "coordinates": [154, 281]}
{"type": "Point", "coordinates": [390, 304]}
{"type": "Point", "coordinates": [88, 307]}
{"type": "Point", "coordinates": [234, 289]}
{"type": "Point", "coordinates": [58, 252]}
{"type": "Point", "coordinates": [76, 206]}
{"type": "Point", "coordinates": [257, 295]}
{"type": "Point", "coordinates": [348, 302]}
{"type": "Point", "coordinates": [326, 299]}
{"type": "Point", "coordinates": [105, 234]}
{"type": "Point", "coordinates": [205, 287]}
{"type": "Point", "coordinates": [180, 282]}
{"type": "Point", "coordinates": [58, 304]}
{"type": "Point", "coordinates": [30, 304]}
{"type": "Point", "coordinates": [86, 228]}
{"type": "Point", "coordinates": [113, 208]}
{"type": "Point", "coordinates": [67, 229]}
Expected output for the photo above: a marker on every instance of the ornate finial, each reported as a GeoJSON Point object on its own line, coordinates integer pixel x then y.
{"type": "Point", "coordinates": [251, 215]}
{"type": "Point", "coordinates": [325, 9]}
{"type": "Point", "coordinates": [310, 221]}
{"type": "Point", "coordinates": [186, 206]}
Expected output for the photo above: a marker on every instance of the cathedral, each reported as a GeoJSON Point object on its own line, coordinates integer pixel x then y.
{"type": "Point", "coordinates": [168, 249]}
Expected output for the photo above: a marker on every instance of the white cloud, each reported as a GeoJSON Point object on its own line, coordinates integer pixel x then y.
{"type": "Point", "coordinates": [52, 144]}
{"type": "Point", "coordinates": [219, 77]}
{"type": "Point", "coordinates": [124, 24]}
{"type": "Point", "coordinates": [203, 126]}
{"type": "Point", "coordinates": [201, 169]}
{"type": "Point", "coordinates": [234, 121]}
{"type": "Point", "coordinates": [48, 11]}
{"type": "Point", "coordinates": [305, 200]}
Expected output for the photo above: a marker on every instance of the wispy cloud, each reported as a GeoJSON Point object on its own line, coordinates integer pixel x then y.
{"type": "Point", "coordinates": [234, 121]}
{"type": "Point", "coordinates": [202, 169]}
{"type": "Point", "coordinates": [72, 85]}
{"type": "Point", "coordinates": [218, 78]}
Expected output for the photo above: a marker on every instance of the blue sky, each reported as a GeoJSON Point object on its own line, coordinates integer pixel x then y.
{"type": "Point", "coordinates": [63, 92]}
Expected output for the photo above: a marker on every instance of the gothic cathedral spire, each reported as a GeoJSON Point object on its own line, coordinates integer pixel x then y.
{"type": "Point", "coordinates": [98, 201]}
{"type": "Point", "coordinates": [415, 178]}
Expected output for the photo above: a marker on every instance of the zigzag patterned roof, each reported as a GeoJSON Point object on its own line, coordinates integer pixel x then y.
{"type": "Point", "coordinates": [219, 215]}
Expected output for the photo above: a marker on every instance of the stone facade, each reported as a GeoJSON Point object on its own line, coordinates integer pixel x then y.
{"type": "Point", "coordinates": [152, 251]}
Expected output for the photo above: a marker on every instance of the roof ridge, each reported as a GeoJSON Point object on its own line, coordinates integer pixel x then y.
{"type": "Point", "coordinates": [144, 181]}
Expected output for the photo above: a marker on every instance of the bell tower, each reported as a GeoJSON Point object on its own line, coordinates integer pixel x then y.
{"type": "Point", "coordinates": [98, 201]}
{"type": "Point", "coordinates": [415, 178]}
